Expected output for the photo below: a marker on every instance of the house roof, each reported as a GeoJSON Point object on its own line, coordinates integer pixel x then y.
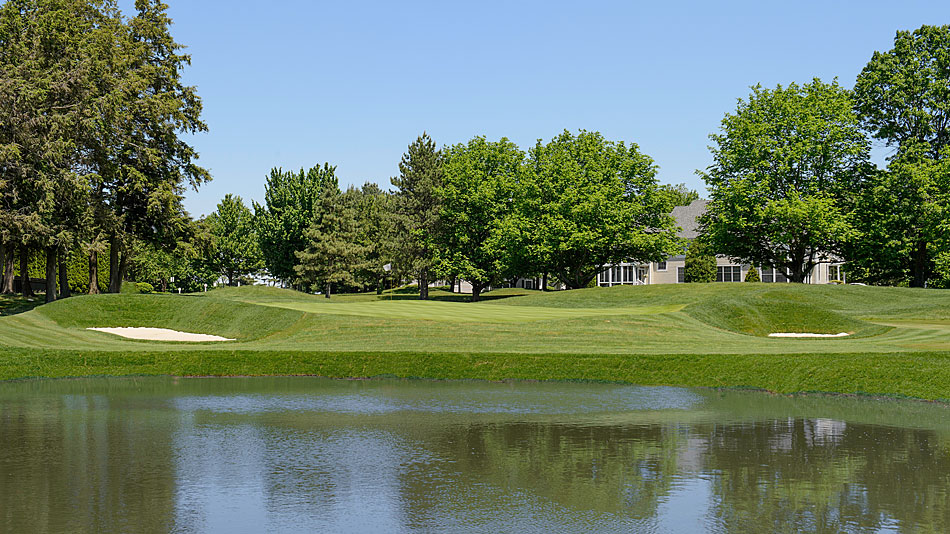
{"type": "Point", "coordinates": [686, 218]}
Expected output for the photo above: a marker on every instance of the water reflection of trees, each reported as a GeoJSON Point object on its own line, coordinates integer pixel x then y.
{"type": "Point", "coordinates": [603, 469]}
{"type": "Point", "coordinates": [795, 476]}
{"type": "Point", "coordinates": [69, 464]}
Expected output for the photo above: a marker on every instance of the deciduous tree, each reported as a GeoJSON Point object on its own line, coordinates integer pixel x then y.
{"type": "Point", "coordinates": [237, 252]}
{"type": "Point", "coordinates": [782, 166]}
{"type": "Point", "coordinates": [903, 97]}
{"type": "Point", "coordinates": [478, 198]}
{"type": "Point", "coordinates": [595, 202]}
{"type": "Point", "coordinates": [291, 203]}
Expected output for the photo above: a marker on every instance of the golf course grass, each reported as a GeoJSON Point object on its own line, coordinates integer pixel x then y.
{"type": "Point", "coordinates": [712, 335]}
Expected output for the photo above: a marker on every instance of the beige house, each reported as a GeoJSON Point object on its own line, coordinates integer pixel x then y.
{"type": "Point", "coordinates": [673, 269]}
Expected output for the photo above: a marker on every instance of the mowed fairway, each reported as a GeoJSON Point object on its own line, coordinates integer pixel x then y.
{"type": "Point", "coordinates": [696, 335]}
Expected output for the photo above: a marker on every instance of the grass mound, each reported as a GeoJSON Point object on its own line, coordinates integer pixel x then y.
{"type": "Point", "coordinates": [760, 314]}
{"type": "Point", "coordinates": [177, 312]}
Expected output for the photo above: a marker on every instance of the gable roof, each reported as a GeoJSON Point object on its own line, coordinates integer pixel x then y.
{"type": "Point", "coordinates": [686, 218]}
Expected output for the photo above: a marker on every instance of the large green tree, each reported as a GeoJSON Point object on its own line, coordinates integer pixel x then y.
{"type": "Point", "coordinates": [237, 253]}
{"type": "Point", "coordinates": [782, 166]}
{"type": "Point", "coordinates": [478, 199]}
{"type": "Point", "coordinates": [416, 210]}
{"type": "Point", "coordinates": [291, 204]}
{"type": "Point", "coordinates": [594, 202]}
{"type": "Point", "coordinates": [45, 86]}
{"type": "Point", "coordinates": [333, 254]}
{"type": "Point", "coordinates": [156, 164]}
{"type": "Point", "coordinates": [903, 98]}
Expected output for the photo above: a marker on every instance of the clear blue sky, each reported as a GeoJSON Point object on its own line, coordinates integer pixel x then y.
{"type": "Point", "coordinates": [294, 83]}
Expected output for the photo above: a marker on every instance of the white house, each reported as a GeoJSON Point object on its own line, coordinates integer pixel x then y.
{"type": "Point", "coordinates": [673, 269]}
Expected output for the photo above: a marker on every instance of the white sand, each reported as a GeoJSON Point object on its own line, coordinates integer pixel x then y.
{"type": "Point", "coordinates": [803, 334]}
{"type": "Point", "coordinates": [159, 334]}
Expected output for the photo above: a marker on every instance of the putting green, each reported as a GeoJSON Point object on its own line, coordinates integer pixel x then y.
{"type": "Point", "coordinates": [460, 312]}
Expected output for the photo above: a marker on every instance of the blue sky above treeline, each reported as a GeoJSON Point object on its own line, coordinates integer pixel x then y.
{"type": "Point", "coordinates": [295, 83]}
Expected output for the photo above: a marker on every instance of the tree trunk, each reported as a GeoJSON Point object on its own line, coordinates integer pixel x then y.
{"type": "Point", "coordinates": [544, 282]}
{"type": "Point", "coordinates": [920, 265]}
{"type": "Point", "coordinates": [424, 285]}
{"type": "Point", "coordinates": [4, 254]}
{"type": "Point", "coordinates": [93, 272]}
{"type": "Point", "coordinates": [230, 279]}
{"type": "Point", "coordinates": [477, 291]}
{"type": "Point", "coordinates": [123, 268]}
{"type": "Point", "coordinates": [25, 288]}
{"type": "Point", "coordinates": [327, 295]}
{"type": "Point", "coordinates": [51, 274]}
{"type": "Point", "coordinates": [64, 291]}
{"type": "Point", "coordinates": [115, 279]}
{"type": "Point", "coordinates": [6, 286]}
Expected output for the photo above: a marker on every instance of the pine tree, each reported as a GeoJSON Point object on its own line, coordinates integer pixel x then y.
{"type": "Point", "coordinates": [416, 210]}
{"type": "Point", "coordinates": [334, 253]}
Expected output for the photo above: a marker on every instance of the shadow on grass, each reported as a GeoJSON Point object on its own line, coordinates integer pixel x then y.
{"type": "Point", "coordinates": [14, 304]}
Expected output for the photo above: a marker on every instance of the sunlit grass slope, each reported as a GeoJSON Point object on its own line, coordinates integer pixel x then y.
{"type": "Point", "coordinates": [702, 334]}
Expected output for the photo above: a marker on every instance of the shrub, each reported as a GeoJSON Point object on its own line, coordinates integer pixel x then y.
{"type": "Point", "coordinates": [752, 275]}
{"type": "Point", "coordinates": [144, 287]}
{"type": "Point", "coordinates": [700, 263]}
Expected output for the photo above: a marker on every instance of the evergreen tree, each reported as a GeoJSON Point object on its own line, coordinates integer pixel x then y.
{"type": "Point", "coordinates": [700, 263]}
{"type": "Point", "coordinates": [752, 275]}
{"type": "Point", "coordinates": [333, 253]}
{"type": "Point", "coordinates": [416, 210]}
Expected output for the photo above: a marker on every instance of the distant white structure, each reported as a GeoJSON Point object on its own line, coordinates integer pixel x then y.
{"type": "Point", "coordinates": [672, 271]}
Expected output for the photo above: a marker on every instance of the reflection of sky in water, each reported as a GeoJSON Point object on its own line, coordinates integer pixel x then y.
{"type": "Point", "coordinates": [250, 455]}
{"type": "Point", "coordinates": [573, 400]}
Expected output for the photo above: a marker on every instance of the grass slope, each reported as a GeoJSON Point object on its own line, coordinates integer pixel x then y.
{"type": "Point", "coordinates": [691, 335]}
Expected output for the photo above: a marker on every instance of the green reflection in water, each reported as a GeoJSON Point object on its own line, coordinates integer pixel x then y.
{"type": "Point", "coordinates": [307, 454]}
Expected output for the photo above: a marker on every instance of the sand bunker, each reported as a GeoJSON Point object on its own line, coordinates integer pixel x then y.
{"type": "Point", "coordinates": [804, 334]}
{"type": "Point", "coordinates": [159, 334]}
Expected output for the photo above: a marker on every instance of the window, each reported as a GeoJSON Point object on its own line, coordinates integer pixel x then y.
{"type": "Point", "coordinates": [617, 275]}
{"type": "Point", "coordinates": [628, 274]}
{"type": "Point", "coordinates": [768, 275]}
{"type": "Point", "coordinates": [680, 275]}
{"type": "Point", "coordinates": [661, 266]}
{"type": "Point", "coordinates": [729, 273]}
{"type": "Point", "coordinates": [836, 272]}
{"type": "Point", "coordinates": [529, 284]}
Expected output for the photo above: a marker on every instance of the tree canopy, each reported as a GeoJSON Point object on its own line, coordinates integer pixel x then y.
{"type": "Point", "coordinates": [782, 165]}
{"type": "Point", "coordinates": [903, 97]}
{"type": "Point", "coordinates": [595, 202]}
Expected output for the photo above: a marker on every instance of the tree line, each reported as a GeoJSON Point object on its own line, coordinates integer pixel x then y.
{"type": "Point", "coordinates": [93, 169]}
{"type": "Point", "coordinates": [792, 182]}
{"type": "Point", "coordinates": [92, 161]}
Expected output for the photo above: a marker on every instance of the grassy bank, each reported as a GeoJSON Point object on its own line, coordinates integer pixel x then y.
{"type": "Point", "coordinates": [689, 335]}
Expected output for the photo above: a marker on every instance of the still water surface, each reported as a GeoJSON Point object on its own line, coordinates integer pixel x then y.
{"type": "Point", "coordinates": [315, 455]}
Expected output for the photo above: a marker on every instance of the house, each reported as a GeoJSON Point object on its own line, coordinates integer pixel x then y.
{"type": "Point", "coordinates": [672, 271]}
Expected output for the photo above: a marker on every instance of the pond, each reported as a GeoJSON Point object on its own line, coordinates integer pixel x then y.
{"type": "Point", "coordinates": [314, 455]}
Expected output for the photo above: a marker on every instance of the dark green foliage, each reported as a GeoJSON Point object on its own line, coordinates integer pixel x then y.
{"type": "Point", "coordinates": [700, 263]}
{"type": "Point", "coordinates": [291, 204]}
{"type": "Point", "coordinates": [334, 253]}
{"type": "Point", "coordinates": [902, 97]}
{"type": "Point", "coordinates": [416, 206]}
{"type": "Point", "coordinates": [77, 268]}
